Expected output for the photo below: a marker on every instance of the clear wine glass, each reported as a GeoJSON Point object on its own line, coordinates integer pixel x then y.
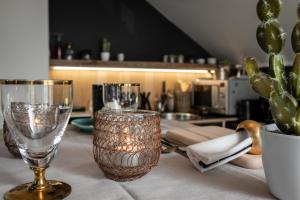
{"type": "Point", "coordinates": [38, 111]}
{"type": "Point", "coordinates": [121, 96]}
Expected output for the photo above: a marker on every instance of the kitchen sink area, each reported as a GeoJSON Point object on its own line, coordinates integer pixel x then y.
{"type": "Point", "coordinates": [179, 116]}
{"type": "Point", "coordinates": [200, 120]}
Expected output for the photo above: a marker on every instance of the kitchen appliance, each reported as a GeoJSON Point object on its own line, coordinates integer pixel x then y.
{"type": "Point", "coordinates": [220, 96]}
{"type": "Point", "coordinates": [97, 98]}
{"type": "Point", "coordinates": [248, 109]}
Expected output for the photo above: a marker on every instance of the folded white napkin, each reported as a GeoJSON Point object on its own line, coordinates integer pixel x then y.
{"type": "Point", "coordinates": [163, 132]}
{"type": "Point", "coordinates": [270, 127]}
{"type": "Point", "coordinates": [212, 153]}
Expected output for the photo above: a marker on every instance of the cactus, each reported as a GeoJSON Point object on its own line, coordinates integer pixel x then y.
{"type": "Point", "coordinates": [283, 97]}
{"type": "Point", "coordinates": [106, 45]}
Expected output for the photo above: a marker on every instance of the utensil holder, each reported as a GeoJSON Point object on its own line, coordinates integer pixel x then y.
{"type": "Point", "coordinates": [183, 101]}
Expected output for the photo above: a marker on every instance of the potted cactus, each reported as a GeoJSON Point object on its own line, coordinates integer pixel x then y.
{"type": "Point", "coordinates": [281, 158]}
{"type": "Point", "coordinates": [105, 54]}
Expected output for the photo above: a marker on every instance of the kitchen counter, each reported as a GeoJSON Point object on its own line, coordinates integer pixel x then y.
{"type": "Point", "coordinates": [80, 114]}
{"type": "Point", "coordinates": [174, 177]}
{"type": "Point", "coordinates": [200, 120]}
{"type": "Point", "coordinates": [203, 120]}
{"type": "Point", "coordinates": [213, 120]}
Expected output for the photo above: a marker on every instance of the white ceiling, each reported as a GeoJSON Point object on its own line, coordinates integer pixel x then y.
{"type": "Point", "coordinates": [226, 28]}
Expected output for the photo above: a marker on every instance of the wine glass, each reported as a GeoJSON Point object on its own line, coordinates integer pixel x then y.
{"type": "Point", "coordinates": [121, 96]}
{"type": "Point", "coordinates": [38, 112]}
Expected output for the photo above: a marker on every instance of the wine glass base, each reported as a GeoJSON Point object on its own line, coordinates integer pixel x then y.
{"type": "Point", "coordinates": [56, 190]}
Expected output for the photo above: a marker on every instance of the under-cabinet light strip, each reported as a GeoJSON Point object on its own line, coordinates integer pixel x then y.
{"type": "Point", "coordinates": [119, 69]}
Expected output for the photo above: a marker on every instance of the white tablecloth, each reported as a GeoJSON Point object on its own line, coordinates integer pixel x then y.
{"type": "Point", "coordinates": [173, 178]}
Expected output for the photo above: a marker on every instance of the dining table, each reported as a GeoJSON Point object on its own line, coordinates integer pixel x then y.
{"type": "Point", "coordinates": [174, 177]}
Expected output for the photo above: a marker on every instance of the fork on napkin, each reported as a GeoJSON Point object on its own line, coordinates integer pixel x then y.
{"type": "Point", "coordinates": [212, 153]}
{"type": "Point", "coordinates": [211, 146]}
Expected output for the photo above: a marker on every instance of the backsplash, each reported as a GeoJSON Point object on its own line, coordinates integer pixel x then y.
{"type": "Point", "coordinates": [150, 81]}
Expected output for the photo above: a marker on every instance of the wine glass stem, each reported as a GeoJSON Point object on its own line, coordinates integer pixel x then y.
{"type": "Point", "coordinates": [40, 182]}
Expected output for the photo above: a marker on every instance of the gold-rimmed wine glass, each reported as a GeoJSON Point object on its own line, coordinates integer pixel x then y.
{"type": "Point", "coordinates": [121, 96]}
{"type": "Point", "coordinates": [38, 112]}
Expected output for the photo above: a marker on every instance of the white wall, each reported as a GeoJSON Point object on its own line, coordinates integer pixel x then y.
{"type": "Point", "coordinates": [24, 50]}
{"type": "Point", "coordinates": [23, 40]}
{"type": "Point", "coordinates": [226, 28]}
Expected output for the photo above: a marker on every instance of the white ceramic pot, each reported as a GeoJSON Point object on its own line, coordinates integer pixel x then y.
{"type": "Point", "coordinates": [211, 61]}
{"type": "Point", "coordinates": [281, 160]}
{"type": "Point", "coordinates": [121, 57]}
{"type": "Point", "coordinates": [105, 56]}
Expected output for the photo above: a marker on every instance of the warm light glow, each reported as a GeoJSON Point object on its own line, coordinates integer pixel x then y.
{"type": "Point", "coordinates": [37, 120]}
{"type": "Point", "coordinates": [120, 69]}
{"type": "Point", "coordinates": [66, 101]}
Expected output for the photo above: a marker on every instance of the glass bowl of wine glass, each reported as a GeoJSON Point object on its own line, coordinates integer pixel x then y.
{"type": "Point", "coordinates": [38, 112]}
{"type": "Point", "coordinates": [121, 96]}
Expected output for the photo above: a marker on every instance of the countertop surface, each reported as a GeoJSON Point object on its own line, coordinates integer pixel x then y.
{"type": "Point", "coordinates": [202, 119]}
{"type": "Point", "coordinates": [173, 178]}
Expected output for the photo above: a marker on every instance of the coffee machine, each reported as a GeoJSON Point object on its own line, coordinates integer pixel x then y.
{"type": "Point", "coordinates": [221, 96]}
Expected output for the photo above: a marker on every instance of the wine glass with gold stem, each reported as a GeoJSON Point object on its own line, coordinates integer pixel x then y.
{"type": "Point", "coordinates": [37, 113]}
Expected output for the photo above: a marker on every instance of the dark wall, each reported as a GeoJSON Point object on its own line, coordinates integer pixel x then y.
{"type": "Point", "coordinates": [134, 27]}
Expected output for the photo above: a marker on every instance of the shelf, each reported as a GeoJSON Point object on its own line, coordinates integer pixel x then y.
{"type": "Point", "coordinates": [136, 66]}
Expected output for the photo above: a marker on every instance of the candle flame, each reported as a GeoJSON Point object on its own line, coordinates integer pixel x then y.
{"type": "Point", "coordinates": [37, 120]}
{"type": "Point", "coordinates": [66, 101]}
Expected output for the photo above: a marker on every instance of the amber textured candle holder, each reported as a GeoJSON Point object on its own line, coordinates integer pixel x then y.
{"type": "Point", "coordinates": [126, 145]}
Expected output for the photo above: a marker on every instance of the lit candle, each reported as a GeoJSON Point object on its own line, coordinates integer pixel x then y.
{"type": "Point", "coordinates": [66, 101]}
{"type": "Point", "coordinates": [127, 155]}
{"type": "Point", "coordinates": [37, 120]}
{"type": "Point", "coordinates": [126, 144]}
